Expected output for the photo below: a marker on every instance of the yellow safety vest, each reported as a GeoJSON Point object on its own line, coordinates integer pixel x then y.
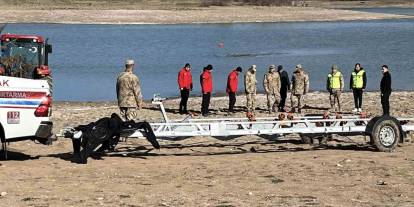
{"type": "Point", "coordinates": [358, 79]}
{"type": "Point", "coordinates": [335, 80]}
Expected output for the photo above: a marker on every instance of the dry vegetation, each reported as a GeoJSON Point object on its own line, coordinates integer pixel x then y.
{"type": "Point", "coordinates": [181, 4]}
{"type": "Point", "coordinates": [186, 11]}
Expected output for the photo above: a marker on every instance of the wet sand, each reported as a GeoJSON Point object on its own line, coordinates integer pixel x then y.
{"type": "Point", "coordinates": [207, 171]}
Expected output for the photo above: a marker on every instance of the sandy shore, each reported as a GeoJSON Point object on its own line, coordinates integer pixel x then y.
{"type": "Point", "coordinates": [193, 15]}
{"type": "Point", "coordinates": [205, 171]}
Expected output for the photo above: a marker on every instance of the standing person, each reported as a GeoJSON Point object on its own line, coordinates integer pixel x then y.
{"type": "Point", "coordinates": [300, 86]}
{"type": "Point", "coordinates": [185, 83]}
{"type": "Point", "coordinates": [128, 91]}
{"type": "Point", "coordinates": [206, 81]}
{"type": "Point", "coordinates": [358, 83]}
{"type": "Point", "coordinates": [284, 87]}
{"type": "Point", "coordinates": [232, 84]}
{"type": "Point", "coordinates": [271, 85]}
{"type": "Point", "coordinates": [250, 83]}
{"type": "Point", "coordinates": [335, 86]}
{"type": "Point", "coordinates": [385, 90]}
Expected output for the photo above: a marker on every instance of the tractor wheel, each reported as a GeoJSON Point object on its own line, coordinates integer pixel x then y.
{"type": "Point", "coordinates": [386, 134]}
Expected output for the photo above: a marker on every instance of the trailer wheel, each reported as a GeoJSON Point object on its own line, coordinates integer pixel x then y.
{"type": "Point", "coordinates": [306, 139]}
{"type": "Point", "coordinates": [386, 134]}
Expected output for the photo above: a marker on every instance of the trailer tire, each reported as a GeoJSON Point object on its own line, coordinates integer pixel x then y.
{"type": "Point", "coordinates": [386, 134]}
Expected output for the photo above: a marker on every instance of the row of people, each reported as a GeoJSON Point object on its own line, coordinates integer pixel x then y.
{"type": "Point", "coordinates": [358, 81]}
{"type": "Point", "coordinates": [275, 83]}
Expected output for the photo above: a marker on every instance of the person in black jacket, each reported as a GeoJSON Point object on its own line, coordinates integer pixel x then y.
{"type": "Point", "coordinates": [284, 87]}
{"type": "Point", "coordinates": [385, 90]}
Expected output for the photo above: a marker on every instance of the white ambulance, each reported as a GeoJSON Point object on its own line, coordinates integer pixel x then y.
{"type": "Point", "coordinates": [25, 89]}
{"type": "Point", "coordinates": [25, 110]}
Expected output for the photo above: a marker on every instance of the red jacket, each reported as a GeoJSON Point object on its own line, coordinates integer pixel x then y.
{"type": "Point", "coordinates": [232, 81]}
{"type": "Point", "coordinates": [206, 82]}
{"type": "Point", "coordinates": [185, 79]}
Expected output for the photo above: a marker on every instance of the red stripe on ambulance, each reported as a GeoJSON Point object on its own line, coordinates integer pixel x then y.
{"type": "Point", "coordinates": [22, 94]}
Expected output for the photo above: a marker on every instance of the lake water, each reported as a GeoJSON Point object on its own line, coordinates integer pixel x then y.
{"type": "Point", "coordinates": [87, 58]}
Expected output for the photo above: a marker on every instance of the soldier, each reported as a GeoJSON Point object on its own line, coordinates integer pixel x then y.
{"type": "Point", "coordinates": [335, 85]}
{"type": "Point", "coordinates": [250, 83]}
{"type": "Point", "coordinates": [300, 86]}
{"type": "Point", "coordinates": [271, 85]}
{"type": "Point", "coordinates": [128, 91]}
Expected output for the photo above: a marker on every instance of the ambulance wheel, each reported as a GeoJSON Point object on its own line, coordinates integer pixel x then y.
{"type": "Point", "coordinates": [386, 134]}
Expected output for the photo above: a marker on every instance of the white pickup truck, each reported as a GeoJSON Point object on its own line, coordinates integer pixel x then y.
{"type": "Point", "coordinates": [25, 110]}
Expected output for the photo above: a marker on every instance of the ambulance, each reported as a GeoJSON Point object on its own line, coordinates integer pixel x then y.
{"type": "Point", "coordinates": [25, 90]}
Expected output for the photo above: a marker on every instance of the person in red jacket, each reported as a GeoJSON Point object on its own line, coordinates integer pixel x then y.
{"type": "Point", "coordinates": [232, 83]}
{"type": "Point", "coordinates": [206, 81]}
{"type": "Point", "coordinates": [185, 84]}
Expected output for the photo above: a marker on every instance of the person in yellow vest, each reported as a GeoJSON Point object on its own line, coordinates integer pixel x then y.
{"type": "Point", "coordinates": [357, 84]}
{"type": "Point", "coordinates": [335, 86]}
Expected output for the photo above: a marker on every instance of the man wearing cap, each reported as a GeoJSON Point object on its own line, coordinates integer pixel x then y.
{"type": "Point", "coordinates": [385, 90]}
{"type": "Point", "coordinates": [128, 91]}
{"type": "Point", "coordinates": [250, 83]}
{"type": "Point", "coordinates": [300, 86]}
{"type": "Point", "coordinates": [271, 85]}
{"type": "Point", "coordinates": [335, 85]}
{"type": "Point", "coordinates": [284, 87]}
{"type": "Point", "coordinates": [185, 84]}
{"type": "Point", "coordinates": [206, 81]}
{"type": "Point", "coordinates": [231, 89]}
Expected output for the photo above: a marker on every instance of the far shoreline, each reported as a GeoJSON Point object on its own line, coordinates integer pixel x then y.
{"type": "Point", "coordinates": [209, 23]}
{"type": "Point", "coordinates": [210, 15]}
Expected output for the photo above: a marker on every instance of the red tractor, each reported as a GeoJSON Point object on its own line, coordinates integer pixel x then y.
{"type": "Point", "coordinates": [24, 56]}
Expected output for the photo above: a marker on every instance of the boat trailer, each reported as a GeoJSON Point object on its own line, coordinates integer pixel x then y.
{"type": "Point", "coordinates": [384, 132]}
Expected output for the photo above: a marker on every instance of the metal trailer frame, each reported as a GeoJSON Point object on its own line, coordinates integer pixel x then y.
{"type": "Point", "coordinates": [307, 127]}
{"type": "Point", "coordinates": [385, 132]}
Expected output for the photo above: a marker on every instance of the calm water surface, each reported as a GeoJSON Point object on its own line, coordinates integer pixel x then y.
{"type": "Point", "coordinates": [87, 58]}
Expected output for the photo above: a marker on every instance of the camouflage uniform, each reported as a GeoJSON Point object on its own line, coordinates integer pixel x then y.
{"type": "Point", "coordinates": [250, 86]}
{"type": "Point", "coordinates": [300, 86]}
{"type": "Point", "coordinates": [271, 85]}
{"type": "Point", "coordinates": [129, 95]}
